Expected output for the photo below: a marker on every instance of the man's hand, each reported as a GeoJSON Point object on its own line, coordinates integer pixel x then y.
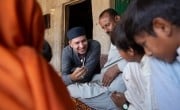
{"type": "Point", "coordinates": [118, 98]}
{"type": "Point", "coordinates": [110, 75]}
{"type": "Point", "coordinates": [78, 73]}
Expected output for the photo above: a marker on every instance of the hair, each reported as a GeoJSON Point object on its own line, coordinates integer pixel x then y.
{"type": "Point", "coordinates": [140, 14]}
{"type": "Point", "coordinates": [109, 11]}
{"type": "Point", "coordinates": [47, 51]}
{"type": "Point", "coordinates": [123, 43]}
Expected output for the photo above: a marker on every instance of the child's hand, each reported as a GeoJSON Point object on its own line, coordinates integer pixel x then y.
{"type": "Point", "coordinates": [118, 98]}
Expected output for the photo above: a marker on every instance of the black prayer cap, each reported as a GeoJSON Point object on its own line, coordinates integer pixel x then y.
{"type": "Point", "coordinates": [75, 32]}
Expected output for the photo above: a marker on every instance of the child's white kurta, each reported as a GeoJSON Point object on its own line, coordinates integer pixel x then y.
{"type": "Point", "coordinates": [139, 91]}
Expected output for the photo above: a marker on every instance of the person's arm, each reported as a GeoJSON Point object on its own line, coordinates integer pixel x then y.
{"type": "Point", "coordinates": [93, 61]}
{"type": "Point", "coordinates": [110, 74]}
{"type": "Point", "coordinates": [66, 66]}
{"type": "Point", "coordinates": [120, 100]}
{"type": "Point", "coordinates": [118, 65]}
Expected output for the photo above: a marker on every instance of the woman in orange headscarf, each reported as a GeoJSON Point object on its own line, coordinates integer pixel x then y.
{"type": "Point", "coordinates": [27, 81]}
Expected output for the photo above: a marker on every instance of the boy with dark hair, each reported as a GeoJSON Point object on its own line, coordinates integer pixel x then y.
{"type": "Point", "coordinates": [136, 75]}
{"type": "Point", "coordinates": [159, 31]}
{"type": "Point", "coordinates": [158, 34]}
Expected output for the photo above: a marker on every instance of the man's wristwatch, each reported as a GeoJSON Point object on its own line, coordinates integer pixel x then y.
{"type": "Point", "coordinates": [125, 106]}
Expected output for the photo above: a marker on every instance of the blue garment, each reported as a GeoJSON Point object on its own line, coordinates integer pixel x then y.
{"type": "Point", "coordinates": [166, 84]}
{"type": "Point", "coordinates": [71, 60]}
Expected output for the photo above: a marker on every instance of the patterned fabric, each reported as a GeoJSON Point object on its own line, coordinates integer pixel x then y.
{"type": "Point", "coordinates": [80, 105]}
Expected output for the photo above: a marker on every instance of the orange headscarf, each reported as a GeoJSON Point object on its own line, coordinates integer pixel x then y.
{"type": "Point", "coordinates": [27, 81]}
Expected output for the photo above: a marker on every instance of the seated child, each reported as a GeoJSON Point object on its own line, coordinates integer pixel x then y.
{"type": "Point", "coordinates": [136, 75]}
{"type": "Point", "coordinates": [158, 34]}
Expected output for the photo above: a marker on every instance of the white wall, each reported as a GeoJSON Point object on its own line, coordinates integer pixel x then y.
{"type": "Point", "coordinates": [98, 33]}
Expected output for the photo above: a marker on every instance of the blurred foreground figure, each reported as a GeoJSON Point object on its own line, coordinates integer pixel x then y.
{"type": "Point", "coordinates": [27, 81]}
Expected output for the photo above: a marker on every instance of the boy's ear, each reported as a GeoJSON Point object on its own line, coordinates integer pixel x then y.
{"type": "Point", "coordinates": [162, 26]}
{"type": "Point", "coordinates": [131, 51]}
{"type": "Point", "coordinates": [117, 18]}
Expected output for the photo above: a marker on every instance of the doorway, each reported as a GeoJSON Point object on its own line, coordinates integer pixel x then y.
{"type": "Point", "coordinates": [79, 14]}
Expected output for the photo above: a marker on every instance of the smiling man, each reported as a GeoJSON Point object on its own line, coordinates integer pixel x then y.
{"type": "Point", "coordinates": [80, 59]}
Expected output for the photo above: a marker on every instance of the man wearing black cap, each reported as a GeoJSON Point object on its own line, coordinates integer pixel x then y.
{"type": "Point", "coordinates": [97, 94]}
{"type": "Point", "coordinates": [80, 59]}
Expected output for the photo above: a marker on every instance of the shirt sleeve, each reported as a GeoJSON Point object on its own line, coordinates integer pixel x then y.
{"type": "Point", "coordinates": [121, 64]}
{"type": "Point", "coordinates": [115, 57]}
{"type": "Point", "coordinates": [66, 64]}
